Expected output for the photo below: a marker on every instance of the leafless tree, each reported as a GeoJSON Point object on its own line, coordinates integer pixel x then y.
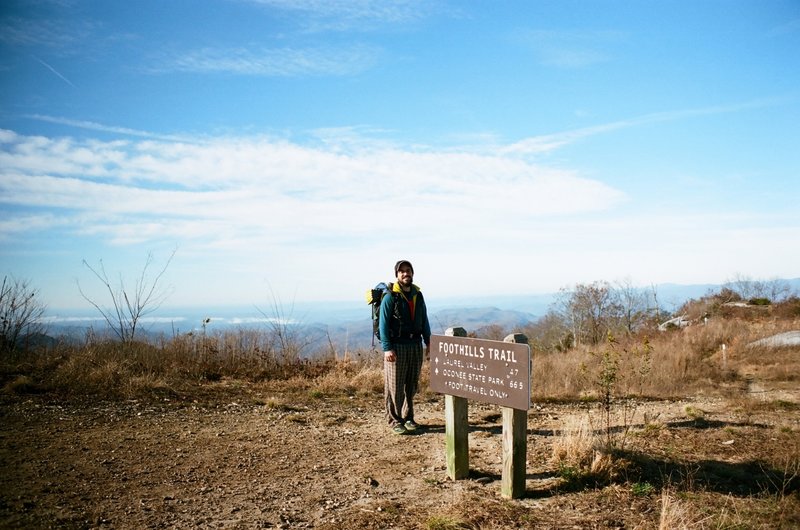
{"type": "Point", "coordinates": [491, 332]}
{"type": "Point", "coordinates": [590, 311]}
{"type": "Point", "coordinates": [549, 333]}
{"type": "Point", "coordinates": [288, 336]}
{"type": "Point", "coordinates": [747, 288]}
{"type": "Point", "coordinates": [128, 307]}
{"type": "Point", "coordinates": [632, 304]}
{"type": "Point", "coordinates": [656, 309]}
{"type": "Point", "coordinates": [21, 312]}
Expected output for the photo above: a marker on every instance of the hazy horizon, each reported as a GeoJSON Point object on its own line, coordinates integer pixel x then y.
{"type": "Point", "coordinates": [670, 296]}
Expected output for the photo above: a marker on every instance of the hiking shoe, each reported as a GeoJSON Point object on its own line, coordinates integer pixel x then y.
{"type": "Point", "coordinates": [399, 429]}
{"type": "Point", "coordinates": [411, 426]}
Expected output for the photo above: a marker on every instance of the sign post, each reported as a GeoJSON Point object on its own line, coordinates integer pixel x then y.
{"type": "Point", "coordinates": [515, 452]}
{"type": "Point", "coordinates": [488, 371]}
{"type": "Point", "coordinates": [456, 428]}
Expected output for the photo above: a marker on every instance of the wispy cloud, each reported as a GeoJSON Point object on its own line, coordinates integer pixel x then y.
{"type": "Point", "coordinates": [59, 36]}
{"type": "Point", "coordinates": [274, 62]}
{"type": "Point", "coordinates": [18, 31]}
{"type": "Point", "coordinates": [266, 192]}
{"type": "Point", "coordinates": [550, 142]}
{"type": "Point", "coordinates": [22, 224]}
{"type": "Point", "coordinates": [570, 49]}
{"type": "Point", "coordinates": [94, 126]}
{"type": "Point", "coordinates": [788, 28]}
{"type": "Point", "coordinates": [346, 15]}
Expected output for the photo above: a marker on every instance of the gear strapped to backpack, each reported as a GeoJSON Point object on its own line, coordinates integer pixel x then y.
{"type": "Point", "coordinates": [374, 298]}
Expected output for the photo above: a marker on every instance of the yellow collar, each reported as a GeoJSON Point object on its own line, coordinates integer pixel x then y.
{"type": "Point", "coordinates": [396, 288]}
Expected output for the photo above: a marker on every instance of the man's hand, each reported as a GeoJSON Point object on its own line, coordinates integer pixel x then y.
{"type": "Point", "coordinates": [389, 356]}
{"type": "Point", "coordinates": [427, 352]}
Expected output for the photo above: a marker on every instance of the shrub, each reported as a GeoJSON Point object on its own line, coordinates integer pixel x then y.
{"type": "Point", "coordinates": [22, 384]}
{"type": "Point", "coordinates": [642, 489]}
{"type": "Point", "coordinates": [759, 301]}
{"type": "Point", "coordinates": [788, 309]}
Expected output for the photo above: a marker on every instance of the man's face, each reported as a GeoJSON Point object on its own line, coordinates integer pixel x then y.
{"type": "Point", "coordinates": [405, 275]}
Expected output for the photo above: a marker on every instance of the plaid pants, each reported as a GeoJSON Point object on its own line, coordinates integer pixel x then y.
{"type": "Point", "coordinates": [400, 382]}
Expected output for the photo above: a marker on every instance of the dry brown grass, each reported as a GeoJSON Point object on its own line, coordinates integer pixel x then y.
{"type": "Point", "coordinates": [177, 366]}
{"type": "Point", "coordinates": [665, 371]}
{"type": "Point", "coordinates": [662, 365]}
{"type": "Point", "coordinates": [583, 454]}
{"type": "Point", "coordinates": [575, 444]}
{"type": "Point", "coordinates": [678, 362]}
{"type": "Point", "coordinates": [351, 377]}
{"type": "Point", "coordinates": [676, 514]}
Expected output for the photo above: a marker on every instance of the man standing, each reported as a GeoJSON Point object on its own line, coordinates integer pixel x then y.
{"type": "Point", "coordinates": [403, 327]}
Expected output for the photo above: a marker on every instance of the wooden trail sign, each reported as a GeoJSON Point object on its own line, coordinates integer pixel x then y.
{"type": "Point", "coordinates": [488, 371]}
{"type": "Point", "coordinates": [495, 372]}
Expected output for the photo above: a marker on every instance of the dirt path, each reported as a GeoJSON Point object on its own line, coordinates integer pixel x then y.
{"type": "Point", "coordinates": [249, 461]}
{"type": "Point", "coordinates": [138, 465]}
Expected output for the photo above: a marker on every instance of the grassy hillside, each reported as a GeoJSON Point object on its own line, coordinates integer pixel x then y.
{"type": "Point", "coordinates": [692, 427]}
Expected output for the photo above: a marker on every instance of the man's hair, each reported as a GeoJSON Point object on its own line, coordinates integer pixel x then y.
{"type": "Point", "coordinates": [401, 263]}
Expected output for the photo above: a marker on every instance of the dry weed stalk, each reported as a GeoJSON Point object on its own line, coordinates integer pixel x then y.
{"type": "Point", "coordinates": [580, 454]}
{"type": "Point", "coordinates": [574, 446]}
{"type": "Point", "coordinates": [675, 514]}
{"type": "Point", "coordinates": [785, 477]}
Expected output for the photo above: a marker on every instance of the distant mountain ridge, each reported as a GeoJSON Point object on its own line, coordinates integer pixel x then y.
{"type": "Point", "coordinates": [510, 311]}
{"type": "Point", "coordinates": [347, 324]}
{"type": "Point", "coordinates": [477, 317]}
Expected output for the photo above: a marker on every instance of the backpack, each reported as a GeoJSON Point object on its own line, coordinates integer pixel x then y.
{"type": "Point", "coordinates": [374, 298]}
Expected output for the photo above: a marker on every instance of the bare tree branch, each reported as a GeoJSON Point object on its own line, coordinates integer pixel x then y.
{"type": "Point", "coordinates": [21, 313]}
{"type": "Point", "coordinates": [129, 307]}
{"type": "Point", "coordinates": [289, 337]}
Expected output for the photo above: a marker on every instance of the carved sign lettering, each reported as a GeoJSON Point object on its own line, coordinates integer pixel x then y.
{"type": "Point", "coordinates": [482, 370]}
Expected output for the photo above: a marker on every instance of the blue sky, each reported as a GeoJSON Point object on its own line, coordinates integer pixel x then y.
{"type": "Point", "coordinates": [294, 149]}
